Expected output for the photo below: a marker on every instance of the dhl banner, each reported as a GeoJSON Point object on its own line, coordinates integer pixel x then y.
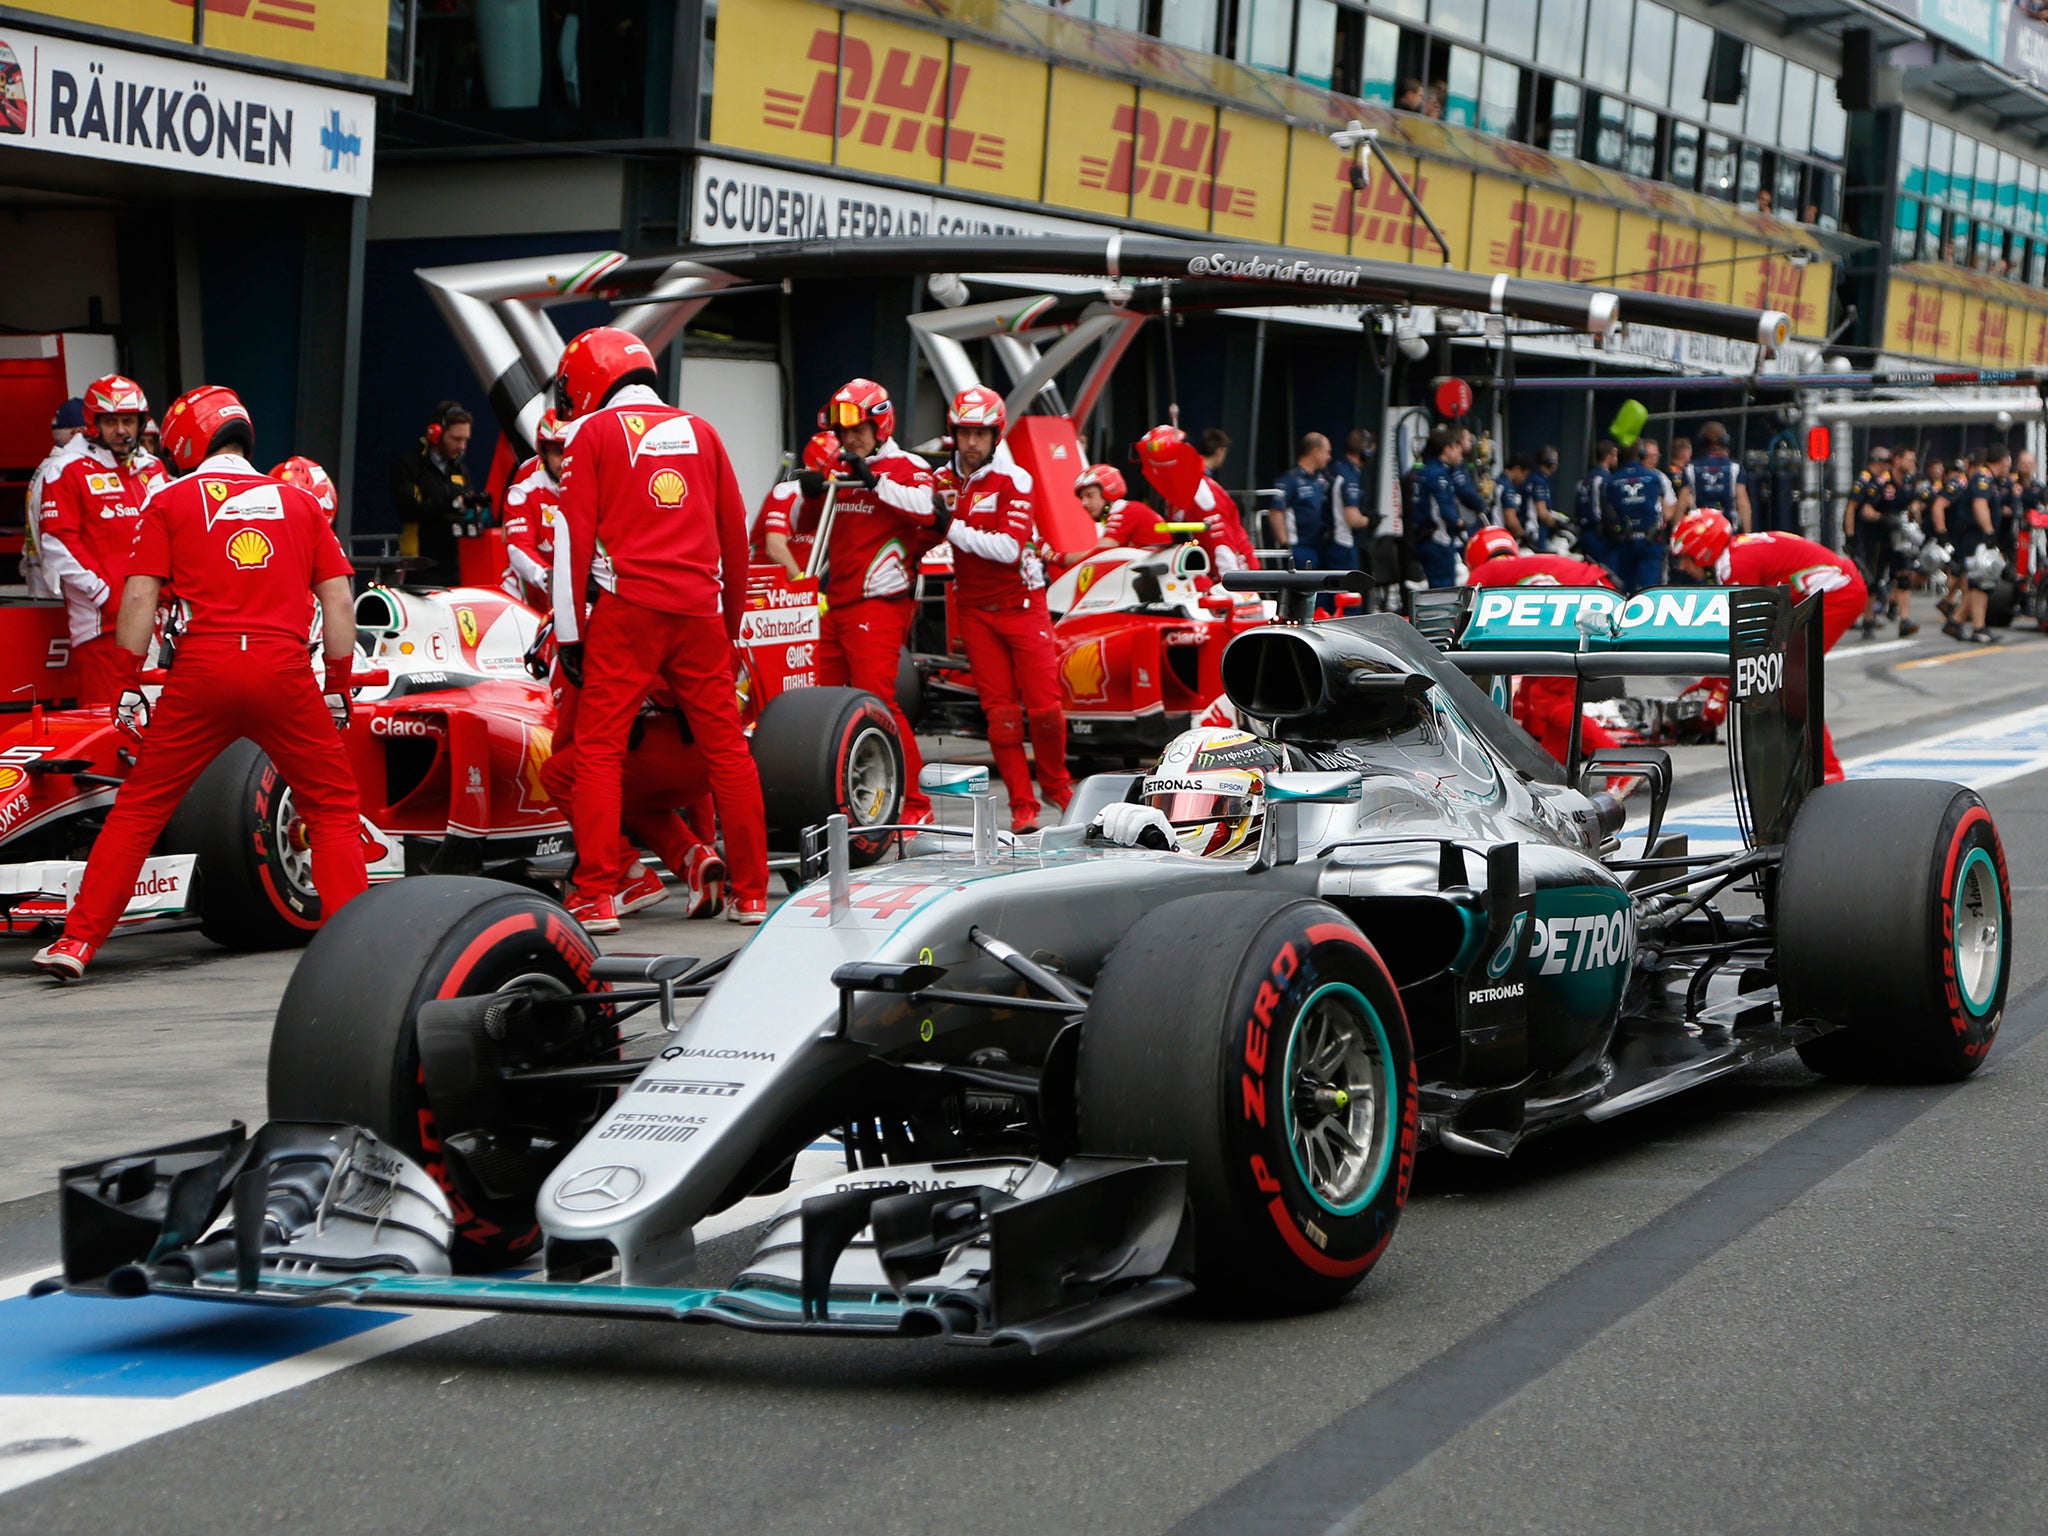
{"type": "Point", "coordinates": [803, 81]}
{"type": "Point", "coordinates": [1947, 314]}
{"type": "Point", "coordinates": [348, 36]}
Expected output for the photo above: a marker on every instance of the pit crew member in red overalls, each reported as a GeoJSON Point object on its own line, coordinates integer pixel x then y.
{"type": "Point", "coordinates": [999, 588]}
{"type": "Point", "coordinates": [787, 526]}
{"type": "Point", "coordinates": [881, 526]}
{"type": "Point", "coordinates": [1101, 490]}
{"type": "Point", "coordinates": [1703, 548]}
{"type": "Point", "coordinates": [1173, 467]}
{"type": "Point", "coordinates": [1543, 705]}
{"type": "Point", "coordinates": [532, 502]}
{"type": "Point", "coordinates": [313, 480]}
{"type": "Point", "coordinates": [243, 551]}
{"type": "Point", "coordinates": [650, 510]}
{"type": "Point", "coordinates": [86, 529]}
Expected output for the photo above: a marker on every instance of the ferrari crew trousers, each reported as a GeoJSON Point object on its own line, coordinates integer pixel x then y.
{"type": "Point", "coordinates": [859, 646]}
{"type": "Point", "coordinates": [1010, 656]}
{"type": "Point", "coordinates": [101, 668]}
{"type": "Point", "coordinates": [627, 649]}
{"type": "Point", "coordinates": [1840, 611]}
{"type": "Point", "coordinates": [218, 693]}
{"type": "Point", "coordinates": [663, 775]}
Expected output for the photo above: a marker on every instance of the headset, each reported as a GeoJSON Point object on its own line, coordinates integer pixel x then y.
{"type": "Point", "coordinates": [441, 422]}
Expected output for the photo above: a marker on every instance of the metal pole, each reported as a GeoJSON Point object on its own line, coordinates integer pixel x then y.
{"type": "Point", "coordinates": [1251, 436]}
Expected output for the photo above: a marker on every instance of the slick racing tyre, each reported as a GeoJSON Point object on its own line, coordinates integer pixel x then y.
{"type": "Point", "coordinates": [1275, 1061]}
{"type": "Point", "coordinates": [1894, 922]}
{"type": "Point", "coordinates": [345, 1046]}
{"type": "Point", "coordinates": [255, 873]}
{"type": "Point", "coordinates": [825, 752]}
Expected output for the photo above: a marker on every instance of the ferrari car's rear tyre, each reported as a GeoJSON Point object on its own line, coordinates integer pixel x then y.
{"type": "Point", "coordinates": [1894, 922]}
{"type": "Point", "coordinates": [1258, 1038]}
{"type": "Point", "coordinates": [255, 871]}
{"type": "Point", "coordinates": [825, 752]}
{"type": "Point", "coordinates": [909, 688]}
{"type": "Point", "coordinates": [346, 1044]}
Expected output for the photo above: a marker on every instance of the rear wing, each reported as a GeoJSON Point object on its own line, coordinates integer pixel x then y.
{"type": "Point", "coordinates": [1767, 646]}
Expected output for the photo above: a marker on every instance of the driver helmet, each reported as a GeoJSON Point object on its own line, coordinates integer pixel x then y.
{"type": "Point", "coordinates": [312, 479]}
{"type": "Point", "coordinates": [1211, 784]}
{"type": "Point", "coordinates": [1701, 535]}
{"type": "Point", "coordinates": [1487, 543]}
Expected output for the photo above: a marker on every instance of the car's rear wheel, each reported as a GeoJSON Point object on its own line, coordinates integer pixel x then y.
{"type": "Point", "coordinates": [2002, 603]}
{"type": "Point", "coordinates": [1258, 1038]}
{"type": "Point", "coordinates": [824, 752]}
{"type": "Point", "coordinates": [346, 1043]}
{"type": "Point", "coordinates": [255, 872]}
{"type": "Point", "coordinates": [1893, 920]}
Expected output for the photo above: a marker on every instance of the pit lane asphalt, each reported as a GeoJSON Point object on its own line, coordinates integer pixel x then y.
{"type": "Point", "coordinates": [1771, 1304]}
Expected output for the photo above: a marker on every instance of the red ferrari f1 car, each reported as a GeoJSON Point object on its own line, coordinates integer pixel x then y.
{"type": "Point", "coordinates": [451, 731]}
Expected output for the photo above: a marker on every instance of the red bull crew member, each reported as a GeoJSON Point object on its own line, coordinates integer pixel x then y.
{"type": "Point", "coordinates": [999, 586]}
{"type": "Point", "coordinates": [85, 531]}
{"type": "Point", "coordinates": [242, 550]}
{"type": "Point", "coordinates": [1543, 705]}
{"type": "Point", "coordinates": [1704, 550]}
{"type": "Point", "coordinates": [532, 506]}
{"type": "Point", "coordinates": [651, 512]}
{"type": "Point", "coordinates": [881, 526]}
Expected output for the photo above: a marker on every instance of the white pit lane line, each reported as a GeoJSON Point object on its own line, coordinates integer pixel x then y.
{"type": "Point", "coordinates": [64, 1423]}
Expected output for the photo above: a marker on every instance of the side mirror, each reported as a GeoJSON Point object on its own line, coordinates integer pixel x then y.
{"type": "Point", "coordinates": [953, 779]}
{"type": "Point", "coordinates": [1286, 794]}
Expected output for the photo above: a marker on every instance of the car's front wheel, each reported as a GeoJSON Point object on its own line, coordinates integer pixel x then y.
{"type": "Point", "coordinates": [1258, 1038]}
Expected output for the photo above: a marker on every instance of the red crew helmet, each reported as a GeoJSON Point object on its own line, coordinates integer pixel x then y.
{"type": "Point", "coordinates": [977, 406]}
{"type": "Point", "coordinates": [1487, 543]}
{"type": "Point", "coordinates": [1106, 478]}
{"type": "Point", "coordinates": [200, 421]}
{"type": "Point", "coordinates": [312, 479]}
{"type": "Point", "coordinates": [552, 429]}
{"type": "Point", "coordinates": [858, 401]}
{"type": "Point", "coordinates": [821, 454]}
{"type": "Point", "coordinates": [111, 396]}
{"type": "Point", "coordinates": [595, 365]}
{"type": "Point", "coordinates": [1160, 443]}
{"type": "Point", "coordinates": [1701, 535]}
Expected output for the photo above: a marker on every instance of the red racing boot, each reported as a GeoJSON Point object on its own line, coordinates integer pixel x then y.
{"type": "Point", "coordinates": [643, 891]}
{"type": "Point", "coordinates": [704, 873]}
{"type": "Point", "coordinates": [597, 914]}
{"type": "Point", "coordinates": [66, 959]}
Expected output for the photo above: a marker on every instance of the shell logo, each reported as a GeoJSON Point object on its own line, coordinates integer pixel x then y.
{"type": "Point", "coordinates": [1085, 674]}
{"type": "Point", "coordinates": [668, 488]}
{"type": "Point", "coordinates": [11, 779]}
{"type": "Point", "coordinates": [250, 550]}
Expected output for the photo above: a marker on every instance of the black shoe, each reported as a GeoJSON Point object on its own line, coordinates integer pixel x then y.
{"type": "Point", "coordinates": [1908, 629]}
{"type": "Point", "coordinates": [1953, 630]}
{"type": "Point", "coordinates": [1869, 628]}
{"type": "Point", "coordinates": [1984, 637]}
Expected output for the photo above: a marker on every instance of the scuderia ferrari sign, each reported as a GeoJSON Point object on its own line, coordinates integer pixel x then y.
{"type": "Point", "coordinates": [82, 98]}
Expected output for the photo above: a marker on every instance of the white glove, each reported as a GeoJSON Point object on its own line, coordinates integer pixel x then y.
{"type": "Point", "coordinates": [1127, 825]}
{"type": "Point", "coordinates": [131, 711]}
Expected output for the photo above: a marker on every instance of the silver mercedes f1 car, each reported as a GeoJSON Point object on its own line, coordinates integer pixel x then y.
{"type": "Point", "coordinates": [1076, 1082]}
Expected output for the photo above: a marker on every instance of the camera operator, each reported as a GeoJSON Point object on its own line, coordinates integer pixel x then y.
{"type": "Point", "coordinates": [438, 500]}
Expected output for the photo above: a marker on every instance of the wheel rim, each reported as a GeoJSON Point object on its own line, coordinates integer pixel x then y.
{"type": "Point", "coordinates": [1340, 1099]}
{"type": "Point", "coordinates": [1979, 934]}
{"type": "Point", "coordinates": [870, 787]}
{"type": "Point", "coordinates": [294, 853]}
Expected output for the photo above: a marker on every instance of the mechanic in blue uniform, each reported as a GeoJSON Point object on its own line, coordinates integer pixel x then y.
{"type": "Point", "coordinates": [1305, 509]}
{"type": "Point", "coordinates": [1633, 500]}
{"type": "Point", "coordinates": [1515, 514]}
{"type": "Point", "coordinates": [1540, 500]}
{"type": "Point", "coordinates": [1465, 484]}
{"type": "Point", "coordinates": [1591, 505]}
{"type": "Point", "coordinates": [1718, 482]}
{"type": "Point", "coordinates": [1972, 525]}
{"type": "Point", "coordinates": [1439, 526]}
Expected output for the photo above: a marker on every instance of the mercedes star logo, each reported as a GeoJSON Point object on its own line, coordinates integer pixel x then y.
{"type": "Point", "coordinates": [598, 1189]}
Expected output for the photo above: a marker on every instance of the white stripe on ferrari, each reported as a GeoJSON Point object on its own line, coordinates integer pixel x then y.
{"type": "Point", "coordinates": [47, 1433]}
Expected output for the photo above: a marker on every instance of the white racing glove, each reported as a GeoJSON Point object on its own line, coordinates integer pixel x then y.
{"type": "Point", "coordinates": [131, 711]}
{"type": "Point", "coordinates": [1135, 826]}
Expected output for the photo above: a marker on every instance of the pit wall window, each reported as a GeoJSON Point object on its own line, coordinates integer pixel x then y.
{"type": "Point", "coordinates": [539, 69]}
{"type": "Point", "coordinates": [1968, 203]}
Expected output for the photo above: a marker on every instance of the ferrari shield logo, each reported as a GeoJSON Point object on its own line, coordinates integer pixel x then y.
{"type": "Point", "coordinates": [465, 620]}
{"type": "Point", "coordinates": [217, 489]}
{"type": "Point", "coordinates": [637, 425]}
